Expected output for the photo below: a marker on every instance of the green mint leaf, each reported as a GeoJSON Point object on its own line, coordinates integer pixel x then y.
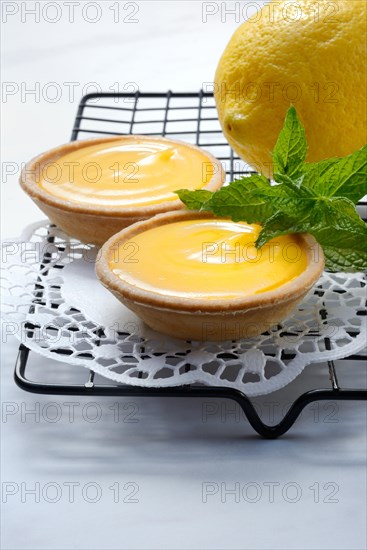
{"type": "Point", "coordinates": [337, 227]}
{"type": "Point", "coordinates": [293, 183]}
{"type": "Point", "coordinates": [345, 178]}
{"type": "Point", "coordinates": [289, 197]}
{"type": "Point", "coordinates": [280, 224]}
{"type": "Point", "coordinates": [238, 201]}
{"type": "Point", "coordinates": [338, 210]}
{"type": "Point", "coordinates": [194, 200]}
{"type": "Point", "coordinates": [291, 147]}
{"type": "Point", "coordinates": [313, 171]}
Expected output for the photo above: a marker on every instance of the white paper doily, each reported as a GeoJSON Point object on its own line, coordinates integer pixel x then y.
{"type": "Point", "coordinates": [73, 314]}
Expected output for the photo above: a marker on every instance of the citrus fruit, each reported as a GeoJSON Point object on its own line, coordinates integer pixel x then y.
{"type": "Point", "coordinates": [308, 53]}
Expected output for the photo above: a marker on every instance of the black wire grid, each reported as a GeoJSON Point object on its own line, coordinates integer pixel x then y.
{"type": "Point", "coordinates": [190, 117]}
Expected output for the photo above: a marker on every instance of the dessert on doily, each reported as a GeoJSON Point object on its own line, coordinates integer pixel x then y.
{"type": "Point", "coordinates": [197, 277]}
{"type": "Point", "coordinates": [175, 285]}
{"type": "Point", "coordinates": [76, 319]}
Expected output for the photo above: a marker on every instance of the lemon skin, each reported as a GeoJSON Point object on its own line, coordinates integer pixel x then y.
{"type": "Point", "coordinates": [308, 53]}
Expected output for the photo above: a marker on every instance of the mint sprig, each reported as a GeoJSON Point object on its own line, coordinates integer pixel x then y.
{"type": "Point", "coordinates": [317, 198]}
{"type": "Point", "coordinates": [290, 149]}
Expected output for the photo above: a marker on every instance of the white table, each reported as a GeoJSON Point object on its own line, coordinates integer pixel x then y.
{"type": "Point", "coordinates": [168, 473]}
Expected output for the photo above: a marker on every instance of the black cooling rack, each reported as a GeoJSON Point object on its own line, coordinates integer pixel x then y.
{"type": "Point", "coordinates": [190, 117]}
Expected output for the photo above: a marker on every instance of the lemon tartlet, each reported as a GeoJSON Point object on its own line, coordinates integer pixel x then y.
{"type": "Point", "coordinates": [196, 277]}
{"type": "Point", "coordinates": [94, 188]}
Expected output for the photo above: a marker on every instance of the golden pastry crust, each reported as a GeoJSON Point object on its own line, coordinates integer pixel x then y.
{"type": "Point", "coordinates": [91, 223]}
{"type": "Point", "coordinates": [200, 319]}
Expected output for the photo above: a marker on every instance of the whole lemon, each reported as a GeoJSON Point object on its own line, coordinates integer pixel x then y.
{"type": "Point", "coordinates": [308, 53]}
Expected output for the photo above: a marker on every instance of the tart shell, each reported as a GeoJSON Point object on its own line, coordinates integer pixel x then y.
{"type": "Point", "coordinates": [199, 319]}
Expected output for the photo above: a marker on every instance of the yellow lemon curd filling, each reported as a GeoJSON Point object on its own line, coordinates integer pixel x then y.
{"type": "Point", "coordinates": [207, 258]}
{"type": "Point", "coordinates": [127, 173]}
